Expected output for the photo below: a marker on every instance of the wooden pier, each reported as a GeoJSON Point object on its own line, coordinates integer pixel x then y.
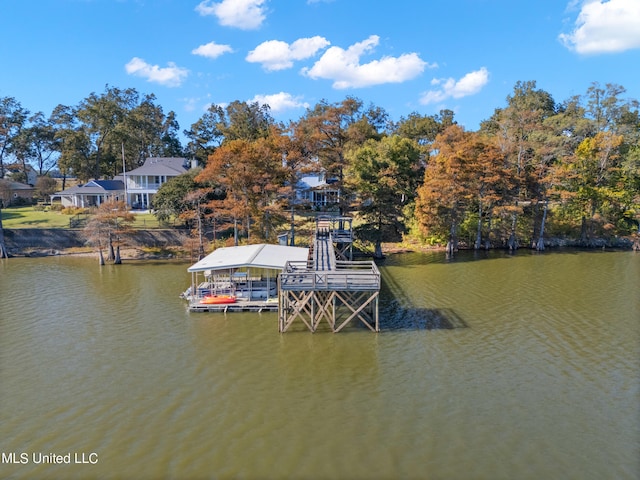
{"type": "Point", "coordinates": [329, 286]}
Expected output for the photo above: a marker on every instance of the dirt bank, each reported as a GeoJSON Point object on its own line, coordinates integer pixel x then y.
{"type": "Point", "coordinates": [56, 241]}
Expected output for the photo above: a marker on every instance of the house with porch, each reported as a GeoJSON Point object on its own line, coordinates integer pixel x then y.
{"type": "Point", "coordinates": [136, 187]}
{"type": "Point", "coordinates": [317, 191]}
{"type": "Point", "coordinates": [144, 182]}
{"type": "Point", "coordinates": [91, 194]}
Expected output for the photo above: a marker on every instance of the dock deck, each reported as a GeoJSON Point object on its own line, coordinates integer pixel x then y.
{"type": "Point", "coordinates": [329, 286]}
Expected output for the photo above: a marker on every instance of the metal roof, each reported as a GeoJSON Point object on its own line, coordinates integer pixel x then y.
{"type": "Point", "coordinates": [94, 187]}
{"type": "Point", "coordinates": [168, 166]}
{"type": "Point", "coordinates": [257, 256]}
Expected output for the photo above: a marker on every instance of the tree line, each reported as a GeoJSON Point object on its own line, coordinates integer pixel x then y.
{"type": "Point", "coordinates": [535, 169]}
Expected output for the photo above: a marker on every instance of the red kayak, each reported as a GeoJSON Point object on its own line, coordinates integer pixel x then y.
{"type": "Point", "coordinates": [218, 299]}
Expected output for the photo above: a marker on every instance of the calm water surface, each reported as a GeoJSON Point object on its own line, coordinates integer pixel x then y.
{"type": "Point", "coordinates": [493, 367]}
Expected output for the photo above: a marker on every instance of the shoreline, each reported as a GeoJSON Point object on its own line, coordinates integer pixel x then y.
{"type": "Point", "coordinates": [177, 253]}
{"type": "Point", "coordinates": [167, 244]}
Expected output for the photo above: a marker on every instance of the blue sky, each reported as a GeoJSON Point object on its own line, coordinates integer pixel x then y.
{"type": "Point", "coordinates": [403, 55]}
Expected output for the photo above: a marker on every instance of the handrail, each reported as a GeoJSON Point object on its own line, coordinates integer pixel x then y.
{"type": "Point", "coordinates": [350, 276]}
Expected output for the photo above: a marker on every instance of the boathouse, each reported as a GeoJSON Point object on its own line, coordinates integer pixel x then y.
{"type": "Point", "coordinates": [248, 273]}
{"type": "Point", "coordinates": [319, 287]}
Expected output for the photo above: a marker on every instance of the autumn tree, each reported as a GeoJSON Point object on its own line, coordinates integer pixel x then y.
{"type": "Point", "coordinates": [110, 223]}
{"type": "Point", "coordinates": [297, 159]}
{"type": "Point", "coordinates": [251, 175]}
{"type": "Point", "coordinates": [446, 194]}
{"type": "Point", "coordinates": [333, 129]}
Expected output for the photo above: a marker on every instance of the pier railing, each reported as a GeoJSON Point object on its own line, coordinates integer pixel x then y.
{"type": "Point", "coordinates": [355, 276]}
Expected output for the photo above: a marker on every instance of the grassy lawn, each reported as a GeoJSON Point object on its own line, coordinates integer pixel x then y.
{"type": "Point", "coordinates": [28, 217]}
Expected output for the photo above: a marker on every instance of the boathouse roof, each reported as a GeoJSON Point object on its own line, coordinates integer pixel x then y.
{"type": "Point", "coordinates": [257, 256]}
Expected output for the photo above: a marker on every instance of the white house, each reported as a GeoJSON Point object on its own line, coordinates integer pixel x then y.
{"type": "Point", "coordinates": [143, 182]}
{"type": "Point", "coordinates": [15, 168]}
{"type": "Point", "coordinates": [136, 187]}
{"type": "Point", "coordinates": [317, 191]}
{"type": "Point", "coordinates": [91, 194]}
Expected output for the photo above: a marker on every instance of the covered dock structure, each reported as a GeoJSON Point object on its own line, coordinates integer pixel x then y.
{"type": "Point", "coordinates": [248, 273]}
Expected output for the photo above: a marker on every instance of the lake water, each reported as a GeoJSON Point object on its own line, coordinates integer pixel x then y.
{"type": "Point", "coordinates": [487, 367]}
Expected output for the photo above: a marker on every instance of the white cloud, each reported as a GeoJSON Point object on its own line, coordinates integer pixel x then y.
{"type": "Point", "coordinates": [605, 27]}
{"type": "Point", "coordinates": [278, 55]}
{"type": "Point", "coordinates": [344, 68]}
{"type": "Point", "coordinates": [470, 84]}
{"type": "Point", "coordinates": [243, 14]}
{"type": "Point", "coordinates": [171, 76]}
{"type": "Point", "coordinates": [280, 101]}
{"type": "Point", "coordinates": [212, 50]}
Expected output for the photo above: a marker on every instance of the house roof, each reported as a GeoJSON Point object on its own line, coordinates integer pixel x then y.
{"type": "Point", "coordinates": [167, 166]}
{"type": "Point", "coordinates": [94, 187]}
{"type": "Point", "coordinates": [17, 185]}
{"type": "Point", "coordinates": [257, 256]}
{"type": "Point", "coordinates": [313, 181]}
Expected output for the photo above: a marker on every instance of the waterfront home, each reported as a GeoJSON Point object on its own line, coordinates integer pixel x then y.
{"type": "Point", "coordinates": [144, 182]}
{"type": "Point", "coordinates": [136, 187]}
{"type": "Point", "coordinates": [317, 191]}
{"type": "Point", "coordinates": [91, 194]}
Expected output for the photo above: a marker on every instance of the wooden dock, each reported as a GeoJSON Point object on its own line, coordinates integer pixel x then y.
{"type": "Point", "coordinates": [329, 286]}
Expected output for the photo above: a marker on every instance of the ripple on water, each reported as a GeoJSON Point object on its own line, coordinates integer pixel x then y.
{"type": "Point", "coordinates": [509, 367]}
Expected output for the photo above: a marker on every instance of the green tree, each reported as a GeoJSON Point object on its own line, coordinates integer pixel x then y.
{"type": "Point", "coordinates": [46, 186]}
{"type": "Point", "coordinates": [43, 149]}
{"type": "Point", "coordinates": [100, 116]}
{"type": "Point", "coordinates": [515, 129]}
{"type": "Point", "coordinates": [385, 173]}
{"type": "Point", "coordinates": [146, 132]}
{"type": "Point", "coordinates": [13, 118]}
{"type": "Point", "coordinates": [424, 128]}
{"type": "Point", "coordinates": [170, 200]}
{"type": "Point", "coordinates": [205, 134]}
{"type": "Point", "coordinates": [72, 143]}
{"type": "Point", "coordinates": [245, 121]}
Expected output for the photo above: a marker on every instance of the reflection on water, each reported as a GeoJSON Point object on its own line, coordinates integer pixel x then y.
{"type": "Point", "coordinates": [494, 366]}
